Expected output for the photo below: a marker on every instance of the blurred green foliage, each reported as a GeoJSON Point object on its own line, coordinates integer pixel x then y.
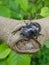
{"type": "Point", "coordinates": [23, 9]}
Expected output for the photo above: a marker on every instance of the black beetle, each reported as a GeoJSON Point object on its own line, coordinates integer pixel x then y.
{"type": "Point", "coordinates": [31, 30]}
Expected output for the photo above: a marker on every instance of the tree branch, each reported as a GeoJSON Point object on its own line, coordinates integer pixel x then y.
{"type": "Point", "coordinates": [7, 26]}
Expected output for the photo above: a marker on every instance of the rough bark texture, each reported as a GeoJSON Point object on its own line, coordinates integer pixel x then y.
{"type": "Point", "coordinates": [7, 26]}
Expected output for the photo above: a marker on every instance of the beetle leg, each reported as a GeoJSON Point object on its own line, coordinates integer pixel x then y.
{"type": "Point", "coordinates": [16, 30]}
{"type": "Point", "coordinates": [37, 42]}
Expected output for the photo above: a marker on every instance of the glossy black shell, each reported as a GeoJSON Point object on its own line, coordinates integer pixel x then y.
{"type": "Point", "coordinates": [31, 30]}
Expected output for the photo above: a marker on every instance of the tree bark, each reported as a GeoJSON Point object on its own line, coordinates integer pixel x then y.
{"type": "Point", "coordinates": [7, 26]}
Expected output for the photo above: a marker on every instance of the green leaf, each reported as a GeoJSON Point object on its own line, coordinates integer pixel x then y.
{"type": "Point", "coordinates": [0, 2]}
{"type": "Point", "coordinates": [44, 12]}
{"type": "Point", "coordinates": [18, 59]}
{"type": "Point", "coordinates": [23, 4]}
{"type": "Point", "coordinates": [17, 15]}
{"type": "Point", "coordinates": [16, 11]}
{"type": "Point", "coordinates": [4, 11]}
{"type": "Point", "coordinates": [12, 5]}
{"type": "Point", "coordinates": [46, 2]}
{"type": "Point", "coordinates": [32, 9]}
{"type": "Point", "coordinates": [4, 51]}
{"type": "Point", "coordinates": [47, 44]}
{"type": "Point", "coordinates": [39, 5]}
{"type": "Point", "coordinates": [3, 62]}
{"type": "Point", "coordinates": [3, 2]}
